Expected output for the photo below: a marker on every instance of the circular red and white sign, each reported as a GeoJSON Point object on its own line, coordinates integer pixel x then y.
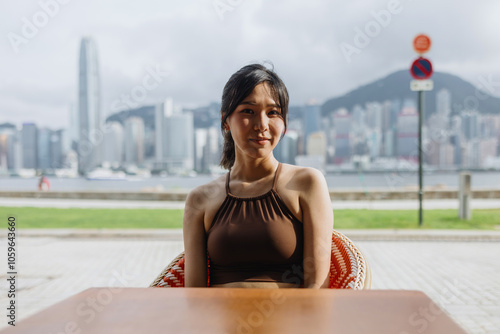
{"type": "Point", "coordinates": [422, 44]}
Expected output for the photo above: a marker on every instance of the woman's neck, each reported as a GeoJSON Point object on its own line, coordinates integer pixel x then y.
{"type": "Point", "coordinates": [253, 170]}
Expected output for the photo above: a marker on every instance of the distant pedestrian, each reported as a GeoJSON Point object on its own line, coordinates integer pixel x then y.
{"type": "Point", "coordinates": [44, 184]}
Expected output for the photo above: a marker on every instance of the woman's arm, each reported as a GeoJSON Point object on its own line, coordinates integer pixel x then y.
{"type": "Point", "coordinates": [195, 246]}
{"type": "Point", "coordinates": [317, 217]}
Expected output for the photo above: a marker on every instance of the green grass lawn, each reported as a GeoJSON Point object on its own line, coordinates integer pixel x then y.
{"type": "Point", "coordinates": [93, 218]}
{"type": "Point", "coordinates": [149, 218]}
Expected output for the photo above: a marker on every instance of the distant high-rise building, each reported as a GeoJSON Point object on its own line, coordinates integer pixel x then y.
{"type": "Point", "coordinates": [386, 116]}
{"type": "Point", "coordinates": [312, 120]}
{"type": "Point", "coordinates": [374, 115]}
{"type": "Point", "coordinates": [72, 137]}
{"type": "Point", "coordinates": [358, 116]}
{"type": "Point", "coordinates": [3, 151]}
{"type": "Point", "coordinates": [456, 139]}
{"type": "Point", "coordinates": [477, 151]}
{"type": "Point", "coordinates": [44, 149]}
{"type": "Point", "coordinates": [471, 120]}
{"type": "Point", "coordinates": [162, 111]}
{"type": "Point", "coordinates": [316, 144]}
{"type": "Point", "coordinates": [342, 121]}
{"type": "Point", "coordinates": [66, 141]}
{"type": "Point", "coordinates": [29, 142]}
{"type": "Point", "coordinates": [407, 130]}
{"type": "Point", "coordinates": [113, 144]}
{"type": "Point", "coordinates": [287, 148]}
{"type": "Point", "coordinates": [439, 127]}
{"type": "Point", "coordinates": [134, 141]}
{"type": "Point", "coordinates": [490, 125]}
{"type": "Point", "coordinates": [213, 148]}
{"type": "Point", "coordinates": [441, 155]}
{"type": "Point", "coordinates": [374, 138]}
{"type": "Point", "coordinates": [179, 132]}
{"type": "Point", "coordinates": [443, 102]}
{"type": "Point", "coordinates": [200, 141]}
{"type": "Point", "coordinates": [56, 149]}
{"type": "Point", "coordinates": [395, 109]}
{"type": "Point", "coordinates": [389, 143]}
{"type": "Point", "coordinates": [206, 149]}
{"type": "Point", "coordinates": [8, 147]}
{"type": "Point", "coordinates": [441, 151]}
{"type": "Point", "coordinates": [89, 104]}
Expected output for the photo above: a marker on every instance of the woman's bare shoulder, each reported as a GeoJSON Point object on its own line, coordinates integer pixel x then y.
{"type": "Point", "coordinates": [201, 196]}
{"type": "Point", "coordinates": [302, 177]}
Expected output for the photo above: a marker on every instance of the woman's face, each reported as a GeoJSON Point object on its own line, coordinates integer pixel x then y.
{"type": "Point", "coordinates": [256, 124]}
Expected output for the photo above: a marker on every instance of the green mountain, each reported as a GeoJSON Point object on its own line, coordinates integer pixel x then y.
{"type": "Point", "coordinates": [397, 86]}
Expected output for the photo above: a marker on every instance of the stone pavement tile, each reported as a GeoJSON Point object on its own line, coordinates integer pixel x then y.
{"type": "Point", "coordinates": [52, 269]}
{"type": "Point", "coordinates": [462, 277]}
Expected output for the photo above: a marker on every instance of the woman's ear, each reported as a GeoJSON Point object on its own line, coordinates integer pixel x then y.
{"type": "Point", "coordinates": [226, 127]}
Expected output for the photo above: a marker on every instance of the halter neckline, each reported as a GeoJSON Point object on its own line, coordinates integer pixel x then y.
{"type": "Point", "coordinates": [228, 191]}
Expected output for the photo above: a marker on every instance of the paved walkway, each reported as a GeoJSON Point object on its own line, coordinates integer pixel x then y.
{"type": "Point", "coordinates": [463, 277]}
{"type": "Point", "coordinates": [373, 205]}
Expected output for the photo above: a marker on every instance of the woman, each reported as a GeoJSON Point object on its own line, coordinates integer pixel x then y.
{"type": "Point", "coordinates": [263, 224]}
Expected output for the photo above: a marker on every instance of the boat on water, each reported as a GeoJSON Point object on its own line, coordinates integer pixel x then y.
{"type": "Point", "coordinates": [100, 174]}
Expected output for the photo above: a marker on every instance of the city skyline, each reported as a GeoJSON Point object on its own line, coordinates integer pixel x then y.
{"type": "Point", "coordinates": [307, 44]}
{"type": "Point", "coordinates": [379, 135]}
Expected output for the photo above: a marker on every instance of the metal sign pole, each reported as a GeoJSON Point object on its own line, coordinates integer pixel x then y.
{"type": "Point", "coordinates": [420, 176]}
{"type": "Point", "coordinates": [420, 70]}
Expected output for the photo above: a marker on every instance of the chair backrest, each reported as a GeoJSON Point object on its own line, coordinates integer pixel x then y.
{"type": "Point", "coordinates": [348, 267]}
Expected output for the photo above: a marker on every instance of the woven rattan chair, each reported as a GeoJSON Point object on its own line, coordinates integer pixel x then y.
{"type": "Point", "coordinates": [348, 268]}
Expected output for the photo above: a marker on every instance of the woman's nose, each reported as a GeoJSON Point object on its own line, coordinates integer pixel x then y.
{"type": "Point", "coordinates": [261, 122]}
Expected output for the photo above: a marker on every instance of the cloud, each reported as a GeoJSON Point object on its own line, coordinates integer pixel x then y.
{"type": "Point", "coordinates": [201, 51]}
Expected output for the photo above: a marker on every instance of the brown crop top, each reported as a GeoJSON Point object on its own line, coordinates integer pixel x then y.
{"type": "Point", "coordinates": [255, 239]}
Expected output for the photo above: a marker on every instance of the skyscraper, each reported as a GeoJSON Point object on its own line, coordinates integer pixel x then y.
{"type": "Point", "coordinates": [113, 144]}
{"type": "Point", "coordinates": [342, 120]}
{"type": "Point", "coordinates": [443, 102]}
{"type": "Point", "coordinates": [407, 130]}
{"type": "Point", "coordinates": [179, 130]}
{"type": "Point", "coordinates": [29, 135]}
{"type": "Point", "coordinates": [200, 142]}
{"type": "Point", "coordinates": [44, 149]}
{"type": "Point", "coordinates": [471, 124]}
{"type": "Point", "coordinates": [134, 141]}
{"type": "Point", "coordinates": [162, 111]}
{"type": "Point", "coordinates": [312, 120]}
{"type": "Point", "coordinates": [8, 147]}
{"type": "Point", "coordinates": [287, 148]}
{"type": "Point", "coordinates": [89, 101]}
{"type": "Point", "coordinates": [56, 149]}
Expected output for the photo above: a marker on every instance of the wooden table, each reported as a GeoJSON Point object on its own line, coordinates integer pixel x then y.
{"type": "Point", "coordinates": [202, 310]}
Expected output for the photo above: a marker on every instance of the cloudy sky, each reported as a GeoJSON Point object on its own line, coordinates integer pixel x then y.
{"type": "Point", "coordinates": [321, 49]}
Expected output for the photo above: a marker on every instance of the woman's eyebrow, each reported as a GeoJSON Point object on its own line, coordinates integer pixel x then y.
{"type": "Point", "coordinates": [253, 103]}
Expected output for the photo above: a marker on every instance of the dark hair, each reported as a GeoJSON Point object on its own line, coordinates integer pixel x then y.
{"type": "Point", "coordinates": [238, 87]}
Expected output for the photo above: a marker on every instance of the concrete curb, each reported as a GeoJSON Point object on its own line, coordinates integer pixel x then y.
{"type": "Point", "coordinates": [181, 194]}
{"type": "Point", "coordinates": [176, 234]}
{"type": "Point", "coordinates": [148, 234]}
{"type": "Point", "coordinates": [424, 235]}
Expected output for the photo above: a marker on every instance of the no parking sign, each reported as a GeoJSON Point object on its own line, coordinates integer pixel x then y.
{"type": "Point", "coordinates": [421, 69]}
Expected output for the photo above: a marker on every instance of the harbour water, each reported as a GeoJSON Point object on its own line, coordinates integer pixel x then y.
{"type": "Point", "coordinates": [358, 181]}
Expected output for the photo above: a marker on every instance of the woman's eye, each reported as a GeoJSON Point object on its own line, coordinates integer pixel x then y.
{"type": "Point", "coordinates": [247, 111]}
{"type": "Point", "coordinates": [274, 112]}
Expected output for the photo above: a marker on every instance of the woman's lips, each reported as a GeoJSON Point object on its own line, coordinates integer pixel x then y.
{"type": "Point", "coordinates": [260, 141]}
